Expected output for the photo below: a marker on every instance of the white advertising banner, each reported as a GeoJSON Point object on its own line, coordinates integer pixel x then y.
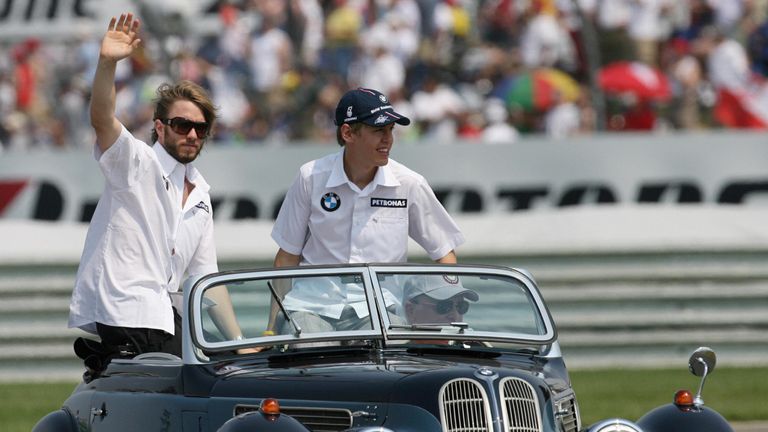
{"type": "Point", "coordinates": [64, 20]}
{"type": "Point", "coordinates": [471, 179]}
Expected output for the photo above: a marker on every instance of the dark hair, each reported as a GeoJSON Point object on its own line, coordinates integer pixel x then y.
{"type": "Point", "coordinates": [355, 128]}
{"type": "Point", "coordinates": [167, 94]}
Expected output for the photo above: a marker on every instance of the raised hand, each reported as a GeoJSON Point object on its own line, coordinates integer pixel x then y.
{"type": "Point", "coordinates": [121, 38]}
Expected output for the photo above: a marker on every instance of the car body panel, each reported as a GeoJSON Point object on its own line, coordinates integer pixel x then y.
{"type": "Point", "coordinates": [492, 364]}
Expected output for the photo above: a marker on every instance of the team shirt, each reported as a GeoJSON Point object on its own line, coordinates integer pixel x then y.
{"type": "Point", "coordinates": [141, 242]}
{"type": "Point", "coordinates": [327, 219]}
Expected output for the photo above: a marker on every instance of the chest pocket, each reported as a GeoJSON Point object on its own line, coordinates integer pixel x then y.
{"type": "Point", "coordinates": [191, 230]}
{"type": "Point", "coordinates": [388, 237]}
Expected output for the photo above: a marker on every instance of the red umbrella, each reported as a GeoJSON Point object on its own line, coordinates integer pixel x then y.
{"type": "Point", "coordinates": [638, 79]}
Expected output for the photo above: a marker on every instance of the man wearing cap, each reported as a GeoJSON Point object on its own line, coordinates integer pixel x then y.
{"type": "Point", "coordinates": [358, 205]}
{"type": "Point", "coordinates": [436, 299]}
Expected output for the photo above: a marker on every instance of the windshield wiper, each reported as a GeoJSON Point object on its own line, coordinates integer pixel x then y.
{"type": "Point", "coordinates": [430, 327]}
{"type": "Point", "coordinates": [296, 328]}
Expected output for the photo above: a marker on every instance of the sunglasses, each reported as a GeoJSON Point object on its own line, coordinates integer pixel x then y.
{"type": "Point", "coordinates": [444, 307]}
{"type": "Point", "coordinates": [182, 126]}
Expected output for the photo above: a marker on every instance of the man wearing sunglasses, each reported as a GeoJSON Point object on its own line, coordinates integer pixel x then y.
{"type": "Point", "coordinates": [436, 299]}
{"type": "Point", "coordinates": [356, 206]}
{"type": "Point", "coordinates": [153, 223]}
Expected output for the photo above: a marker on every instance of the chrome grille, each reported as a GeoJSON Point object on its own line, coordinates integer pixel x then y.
{"type": "Point", "coordinates": [520, 406]}
{"type": "Point", "coordinates": [314, 419]}
{"type": "Point", "coordinates": [464, 407]}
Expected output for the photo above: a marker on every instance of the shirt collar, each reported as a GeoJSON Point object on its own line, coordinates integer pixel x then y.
{"type": "Point", "coordinates": [168, 164]}
{"type": "Point", "coordinates": [384, 175]}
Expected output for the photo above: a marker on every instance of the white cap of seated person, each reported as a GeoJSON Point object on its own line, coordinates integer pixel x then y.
{"type": "Point", "coordinates": [436, 299]}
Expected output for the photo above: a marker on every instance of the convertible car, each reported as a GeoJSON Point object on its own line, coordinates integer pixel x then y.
{"type": "Point", "coordinates": [354, 348]}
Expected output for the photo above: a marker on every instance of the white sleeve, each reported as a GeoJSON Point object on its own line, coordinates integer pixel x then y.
{"type": "Point", "coordinates": [125, 161]}
{"type": "Point", "coordinates": [430, 225]}
{"type": "Point", "coordinates": [292, 223]}
{"type": "Point", "coordinates": [204, 259]}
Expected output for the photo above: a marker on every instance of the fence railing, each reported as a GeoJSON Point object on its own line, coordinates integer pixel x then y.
{"type": "Point", "coordinates": [630, 310]}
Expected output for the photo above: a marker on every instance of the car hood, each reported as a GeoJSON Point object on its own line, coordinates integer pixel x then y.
{"type": "Point", "coordinates": [372, 378]}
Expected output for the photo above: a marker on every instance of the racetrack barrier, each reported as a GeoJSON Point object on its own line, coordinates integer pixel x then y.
{"type": "Point", "coordinates": [624, 293]}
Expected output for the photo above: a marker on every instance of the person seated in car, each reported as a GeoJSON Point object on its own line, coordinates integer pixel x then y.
{"type": "Point", "coordinates": [436, 299]}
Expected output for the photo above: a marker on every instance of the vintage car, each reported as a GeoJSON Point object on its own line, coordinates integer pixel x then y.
{"type": "Point", "coordinates": [373, 347]}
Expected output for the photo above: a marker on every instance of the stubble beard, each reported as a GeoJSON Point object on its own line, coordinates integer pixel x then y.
{"type": "Point", "coordinates": [173, 150]}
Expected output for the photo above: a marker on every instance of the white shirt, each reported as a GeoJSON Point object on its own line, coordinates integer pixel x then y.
{"type": "Point", "coordinates": [728, 66]}
{"type": "Point", "coordinates": [562, 121]}
{"type": "Point", "coordinates": [327, 219]}
{"type": "Point", "coordinates": [499, 133]}
{"type": "Point", "coordinates": [646, 21]}
{"type": "Point", "coordinates": [140, 241]}
{"type": "Point", "coordinates": [265, 64]}
{"type": "Point", "coordinates": [544, 43]}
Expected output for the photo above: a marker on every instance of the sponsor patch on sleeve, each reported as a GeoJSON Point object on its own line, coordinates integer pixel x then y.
{"type": "Point", "coordinates": [389, 202]}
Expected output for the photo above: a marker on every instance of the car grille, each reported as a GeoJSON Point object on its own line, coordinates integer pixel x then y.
{"type": "Point", "coordinates": [314, 419]}
{"type": "Point", "coordinates": [520, 406]}
{"type": "Point", "coordinates": [464, 407]}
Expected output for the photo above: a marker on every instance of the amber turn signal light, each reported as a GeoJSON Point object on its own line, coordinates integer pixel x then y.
{"type": "Point", "coordinates": [683, 398]}
{"type": "Point", "coordinates": [270, 406]}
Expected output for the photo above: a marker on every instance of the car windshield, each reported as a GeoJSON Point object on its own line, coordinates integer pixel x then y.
{"type": "Point", "coordinates": [353, 305]}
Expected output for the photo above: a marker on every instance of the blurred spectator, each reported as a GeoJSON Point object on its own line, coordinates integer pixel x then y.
{"type": "Point", "coordinates": [728, 14]}
{"type": "Point", "coordinates": [647, 28]}
{"type": "Point", "coordinates": [544, 42]}
{"type": "Point", "coordinates": [757, 48]}
{"type": "Point", "coordinates": [501, 19]}
{"type": "Point", "coordinates": [686, 76]}
{"type": "Point", "coordinates": [563, 120]}
{"type": "Point", "coordinates": [378, 67]}
{"type": "Point", "coordinates": [612, 18]}
{"type": "Point", "coordinates": [342, 29]}
{"type": "Point", "coordinates": [276, 68]}
{"type": "Point", "coordinates": [310, 15]}
{"type": "Point", "coordinates": [740, 100]}
{"type": "Point", "coordinates": [271, 52]}
{"type": "Point", "coordinates": [451, 30]}
{"type": "Point", "coordinates": [437, 107]}
{"type": "Point", "coordinates": [498, 129]}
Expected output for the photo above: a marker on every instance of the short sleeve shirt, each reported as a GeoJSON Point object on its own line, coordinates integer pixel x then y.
{"type": "Point", "coordinates": [141, 242]}
{"type": "Point", "coordinates": [327, 219]}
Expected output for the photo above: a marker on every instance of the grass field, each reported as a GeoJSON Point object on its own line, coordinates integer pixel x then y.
{"type": "Point", "coordinates": [736, 393]}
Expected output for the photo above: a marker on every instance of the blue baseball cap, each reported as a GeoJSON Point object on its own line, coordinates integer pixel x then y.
{"type": "Point", "coordinates": [368, 106]}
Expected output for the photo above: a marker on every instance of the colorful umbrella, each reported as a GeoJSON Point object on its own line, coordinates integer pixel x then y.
{"type": "Point", "coordinates": [638, 79]}
{"type": "Point", "coordinates": [541, 89]}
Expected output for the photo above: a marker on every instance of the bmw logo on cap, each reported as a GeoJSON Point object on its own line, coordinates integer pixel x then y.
{"type": "Point", "coordinates": [330, 202]}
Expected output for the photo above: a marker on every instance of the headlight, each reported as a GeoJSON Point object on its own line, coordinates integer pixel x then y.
{"type": "Point", "coordinates": [614, 425]}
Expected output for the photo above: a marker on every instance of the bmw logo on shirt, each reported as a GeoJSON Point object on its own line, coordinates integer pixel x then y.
{"type": "Point", "coordinates": [330, 202]}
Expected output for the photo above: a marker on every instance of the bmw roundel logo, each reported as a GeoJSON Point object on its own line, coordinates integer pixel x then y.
{"type": "Point", "coordinates": [330, 202]}
{"type": "Point", "coordinates": [485, 371]}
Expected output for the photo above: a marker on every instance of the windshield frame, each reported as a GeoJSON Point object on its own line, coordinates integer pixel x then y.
{"type": "Point", "coordinates": [196, 350]}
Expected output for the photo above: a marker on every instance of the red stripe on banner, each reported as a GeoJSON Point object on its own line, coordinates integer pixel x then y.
{"type": "Point", "coordinates": [8, 192]}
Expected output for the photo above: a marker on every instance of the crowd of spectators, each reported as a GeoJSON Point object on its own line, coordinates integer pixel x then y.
{"type": "Point", "coordinates": [277, 68]}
